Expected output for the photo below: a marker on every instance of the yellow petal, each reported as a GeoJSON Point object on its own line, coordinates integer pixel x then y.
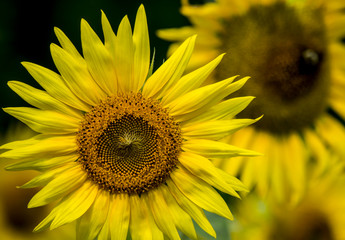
{"type": "Point", "coordinates": [176, 34]}
{"type": "Point", "coordinates": [44, 225]}
{"type": "Point", "coordinates": [170, 71]}
{"type": "Point", "coordinates": [250, 173]}
{"type": "Point", "coordinates": [55, 86]}
{"type": "Point", "coordinates": [318, 150]}
{"type": "Point", "coordinates": [335, 25]}
{"type": "Point", "coordinates": [205, 170]}
{"type": "Point", "coordinates": [160, 212]}
{"type": "Point", "coordinates": [294, 157]}
{"type": "Point", "coordinates": [200, 100]}
{"type": "Point", "coordinates": [77, 76]}
{"type": "Point", "coordinates": [192, 209]}
{"type": "Point", "coordinates": [124, 56]}
{"type": "Point", "coordinates": [109, 36]}
{"type": "Point", "coordinates": [139, 224]}
{"type": "Point", "coordinates": [332, 132]}
{"type": "Point", "coordinates": [181, 219]}
{"type": "Point", "coordinates": [142, 49]}
{"type": "Point", "coordinates": [41, 164]}
{"type": "Point", "coordinates": [278, 179]}
{"type": "Point", "coordinates": [119, 214]}
{"type": "Point", "coordinates": [214, 149]}
{"type": "Point", "coordinates": [105, 231]}
{"type": "Point", "coordinates": [200, 193]}
{"type": "Point", "coordinates": [223, 110]}
{"type": "Point", "coordinates": [61, 185]}
{"type": "Point", "coordinates": [98, 59]}
{"type": "Point", "coordinates": [45, 121]}
{"type": "Point", "coordinates": [46, 147]}
{"type": "Point", "coordinates": [42, 99]}
{"type": "Point", "coordinates": [142, 225]}
{"type": "Point", "coordinates": [243, 139]}
{"type": "Point", "coordinates": [23, 143]}
{"type": "Point", "coordinates": [260, 173]}
{"type": "Point", "coordinates": [82, 228]}
{"type": "Point", "coordinates": [216, 129]}
{"type": "Point", "coordinates": [46, 177]}
{"type": "Point", "coordinates": [191, 81]}
{"type": "Point", "coordinates": [97, 215]}
{"type": "Point", "coordinates": [75, 204]}
{"type": "Point", "coordinates": [199, 97]}
{"type": "Point", "coordinates": [67, 45]}
{"type": "Point", "coordinates": [336, 103]}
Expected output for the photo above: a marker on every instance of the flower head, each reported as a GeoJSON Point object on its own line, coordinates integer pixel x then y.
{"type": "Point", "coordinates": [292, 50]}
{"type": "Point", "coordinates": [121, 149]}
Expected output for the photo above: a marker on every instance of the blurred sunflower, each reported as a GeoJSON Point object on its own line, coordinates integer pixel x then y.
{"type": "Point", "coordinates": [122, 149]}
{"type": "Point", "coordinates": [292, 50]}
{"type": "Point", "coordinates": [318, 216]}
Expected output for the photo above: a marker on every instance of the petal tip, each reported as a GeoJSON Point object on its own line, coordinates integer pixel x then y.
{"type": "Point", "coordinates": [32, 204]}
{"type": "Point", "coordinates": [83, 23]}
{"type": "Point", "coordinates": [25, 63]}
{"type": "Point", "coordinates": [57, 30]}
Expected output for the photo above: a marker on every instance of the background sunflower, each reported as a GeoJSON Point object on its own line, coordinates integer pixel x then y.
{"type": "Point", "coordinates": [293, 52]}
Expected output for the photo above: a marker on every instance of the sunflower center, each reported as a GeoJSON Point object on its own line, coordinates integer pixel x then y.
{"type": "Point", "coordinates": [129, 144]}
{"type": "Point", "coordinates": [284, 50]}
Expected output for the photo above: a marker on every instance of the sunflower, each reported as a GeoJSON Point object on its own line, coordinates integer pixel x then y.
{"type": "Point", "coordinates": [319, 214]}
{"type": "Point", "coordinates": [292, 50]}
{"type": "Point", "coordinates": [123, 150]}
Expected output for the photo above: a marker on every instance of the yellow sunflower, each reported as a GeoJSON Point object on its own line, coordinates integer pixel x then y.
{"type": "Point", "coordinates": [292, 50]}
{"type": "Point", "coordinates": [319, 214]}
{"type": "Point", "coordinates": [123, 150]}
